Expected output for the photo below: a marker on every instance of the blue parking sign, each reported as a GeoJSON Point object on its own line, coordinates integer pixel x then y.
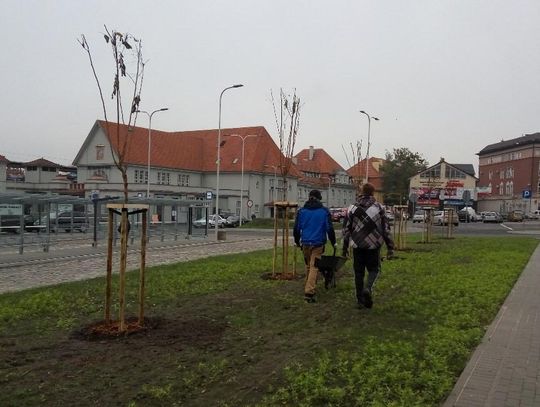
{"type": "Point", "coordinates": [526, 193]}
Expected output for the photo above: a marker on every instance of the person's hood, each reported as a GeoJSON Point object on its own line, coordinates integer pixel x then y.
{"type": "Point", "coordinates": [313, 204]}
{"type": "Point", "coordinates": [365, 201]}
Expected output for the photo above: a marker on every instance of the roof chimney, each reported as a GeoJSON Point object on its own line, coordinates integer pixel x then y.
{"type": "Point", "coordinates": [311, 152]}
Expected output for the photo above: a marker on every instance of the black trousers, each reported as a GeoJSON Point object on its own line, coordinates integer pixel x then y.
{"type": "Point", "coordinates": [369, 259]}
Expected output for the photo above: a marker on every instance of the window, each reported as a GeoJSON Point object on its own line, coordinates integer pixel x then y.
{"type": "Point", "coordinates": [509, 188]}
{"type": "Point", "coordinates": [501, 174]}
{"type": "Point", "coordinates": [183, 180]}
{"type": "Point", "coordinates": [501, 188]}
{"type": "Point", "coordinates": [434, 172]}
{"type": "Point", "coordinates": [453, 173]}
{"type": "Point", "coordinates": [490, 175]}
{"type": "Point", "coordinates": [163, 178]}
{"type": "Point", "coordinates": [31, 168]}
{"type": "Point", "coordinates": [141, 176]}
{"type": "Point", "coordinates": [509, 172]}
{"type": "Point", "coordinates": [98, 172]}
{"type": "Point", "coordinates": [100, 152]}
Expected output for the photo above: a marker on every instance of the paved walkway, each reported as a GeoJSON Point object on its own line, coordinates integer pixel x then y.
{"type": "Point", "coordinates": [505, 368]}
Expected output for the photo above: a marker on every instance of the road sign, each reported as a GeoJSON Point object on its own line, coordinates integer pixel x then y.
{"type": "Point", "coordinates": [249, 203]}
{"type": "Point", "coordinates": [209, 195]}
{"type": "Point", "coordinates": [526, 194]}
{"type": "Point", "coordinates": [94, 195]}
{"type": "Point", "coordinates": [11, 209]}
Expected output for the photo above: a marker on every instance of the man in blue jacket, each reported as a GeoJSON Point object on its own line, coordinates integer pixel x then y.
{"type": "Point", "coordinates": [312, 225]}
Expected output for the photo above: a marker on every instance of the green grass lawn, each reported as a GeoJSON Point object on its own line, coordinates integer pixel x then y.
{"type": "Point", "coordinates": [227, 337]}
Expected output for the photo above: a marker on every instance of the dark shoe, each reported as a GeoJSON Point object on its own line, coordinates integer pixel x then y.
{"type": "Point", "coordinates": [310, 298]}
{"type": "Point", "coordinates": [368, 300]}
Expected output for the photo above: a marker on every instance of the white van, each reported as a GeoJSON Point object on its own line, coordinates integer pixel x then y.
{"type": "Point", "coordinates": [468, 214]}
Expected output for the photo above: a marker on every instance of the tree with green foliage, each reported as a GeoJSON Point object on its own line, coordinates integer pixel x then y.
{"type": "Point", "coordinates": [398, 168]}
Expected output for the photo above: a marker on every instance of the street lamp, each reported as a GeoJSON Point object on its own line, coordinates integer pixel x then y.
{"type": "Point", "coordinates": [368, 141]}
{"type": "Point", "coordinates": [328, 190]}
{"type": "Point", "coordinates": [242, 177]}
{"type": "Point", "coordinates": [150, 143]}
{"type": "Point", "coordinates": [218, 161]}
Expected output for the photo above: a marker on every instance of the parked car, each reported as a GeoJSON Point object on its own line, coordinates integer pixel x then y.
{"type": "Point", "coordinates": [233, 221]}
{"type": "Point", "coordinates": [468, 214]}
{"type": "Point", "coordinates": [534, 214]}
{"type": "Point", "coordinates": [492, 217]}
{"type": "Point", "coordinates": [66, 221]}
{"type": "Point", "coordinates": [11, 223]}
{"type": "Point", "coordinates": [201, 223]}
{"type": "Point", "coordinates": [337, 214]}
{"type": "Point", "coordinates": [443, 218]}
{"type": "Point", "coordinates": [419, 216]}
{"type": "Point", "coordinates": [515, 216]}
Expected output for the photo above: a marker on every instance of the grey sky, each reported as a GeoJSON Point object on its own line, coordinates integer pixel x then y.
{"type": "Point", "coordinates": [446, 78]}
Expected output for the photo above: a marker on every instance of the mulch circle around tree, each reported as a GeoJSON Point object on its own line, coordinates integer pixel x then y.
{"type": "Point", "coordinates": [198, 331]}
{"type": "Point", "coordinates": [282, 276]}
{"type": "Point", "coordinates": [101, 330]}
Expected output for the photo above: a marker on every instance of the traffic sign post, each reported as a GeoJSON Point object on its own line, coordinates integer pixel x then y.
{"type": "Point", "coordinates": [413, 198]}
{"type": "Point", "coordinates": [466, 200]}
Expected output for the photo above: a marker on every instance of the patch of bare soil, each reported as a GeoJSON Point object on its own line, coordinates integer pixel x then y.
{"type": "Point", "coordinates": [156, 331]}
{"type": "Point", "coordinates": [282, 276]}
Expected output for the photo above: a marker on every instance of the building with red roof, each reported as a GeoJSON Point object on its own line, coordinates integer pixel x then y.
{"type": "Point", "coordinates": [183, 164]}
{"type": "Point", "coordinates": [358, 174]}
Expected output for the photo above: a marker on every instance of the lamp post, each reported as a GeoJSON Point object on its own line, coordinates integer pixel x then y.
{"type": "Point", "coordinates": [218, 161]}
{"type": "Point", "coordinates": [150, 143]}
{"type": "Point", "coordinates": [328, 190]}
{"type": "Point", "coordinates": [368, 141]}
{"type": "Point", "coordinates": [242, 177]}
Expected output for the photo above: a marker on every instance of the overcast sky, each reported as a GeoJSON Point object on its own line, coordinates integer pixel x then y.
{"type": "Point", "coordinates": [446, 78]}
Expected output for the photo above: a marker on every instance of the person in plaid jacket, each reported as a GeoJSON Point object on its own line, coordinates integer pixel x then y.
{"type": "Point", "coordinates": [366, 228]}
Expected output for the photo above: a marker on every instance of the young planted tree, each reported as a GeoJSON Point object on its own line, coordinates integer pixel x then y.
{"type": "Point", "coordinates": [127, 81]}
{"type": "Point", "coordinates": [287, 116]}
{"type": "Point", "coordinates": [357, 175]}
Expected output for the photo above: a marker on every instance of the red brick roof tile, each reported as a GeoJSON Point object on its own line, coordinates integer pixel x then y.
{"type": "Point", "coordinates": [375, 177]}
{"type": "Point", "coordinates": [197, 150]}
{"type": "Point", "coordinates": [321, 162]}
